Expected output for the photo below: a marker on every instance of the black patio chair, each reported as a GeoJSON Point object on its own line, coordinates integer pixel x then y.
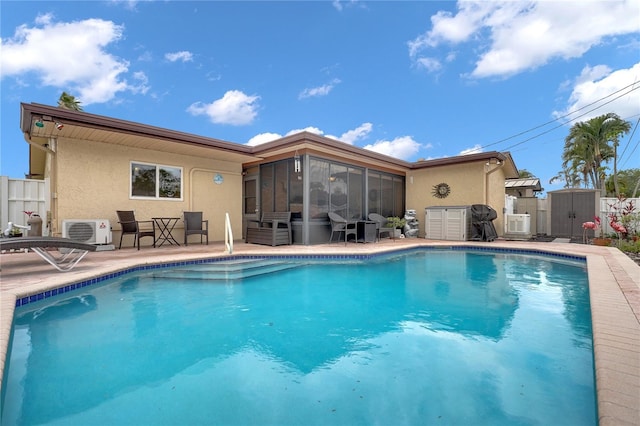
{"type": "Point", "coordinates": [129, 224]}
{"type": "Point", "coordinates": [194, 225]}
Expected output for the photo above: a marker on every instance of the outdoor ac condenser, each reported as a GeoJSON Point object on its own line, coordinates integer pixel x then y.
{"type": "Point", "coordinates": [518, 226]}
{"type": "Point", "coordinates": [90, 231]}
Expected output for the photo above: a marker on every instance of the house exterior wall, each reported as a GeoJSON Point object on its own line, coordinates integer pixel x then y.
{"type": "Point", "coordinates": [92, 182]}
{"type": "Point", "coordinates": [470, 183]}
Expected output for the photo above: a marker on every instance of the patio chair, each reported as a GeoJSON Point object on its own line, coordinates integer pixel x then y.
{"type": "Point", "coordinates": [195, 225]}
{"type": "Point", "coordinates": [129, 224]}
{"type": "Point", "coordinates": [381, 227]}
{"type": "Point", "coordinates": [340, 224]}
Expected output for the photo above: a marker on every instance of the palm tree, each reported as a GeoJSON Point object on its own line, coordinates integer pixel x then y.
{"type": "Point", "coordinates": [591, 144]}
{"type": "Point", "coordinates": [570, 178]}
{"type": "Point", "coordinates": [525, 174]}
{"type": "Point", "coordinates": [68, 101]}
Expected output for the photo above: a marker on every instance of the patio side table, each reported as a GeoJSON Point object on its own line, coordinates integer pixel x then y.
{"type": "Point", "coordinates": [166, 225]}
{"type": "Point", "coordinates": [366, 231]}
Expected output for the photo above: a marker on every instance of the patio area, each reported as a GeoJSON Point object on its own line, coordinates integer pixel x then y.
{"type": "Point", "coordinates": [614, 281]}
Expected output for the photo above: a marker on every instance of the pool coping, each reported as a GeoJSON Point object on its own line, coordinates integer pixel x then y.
{"type": "Point", "coordinates": [614, 288]}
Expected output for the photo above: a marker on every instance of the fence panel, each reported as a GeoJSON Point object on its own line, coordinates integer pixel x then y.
{"type": "Point", "coordinates": [20, 195]}
{"type": "Point", "coordinates": [613, 205]}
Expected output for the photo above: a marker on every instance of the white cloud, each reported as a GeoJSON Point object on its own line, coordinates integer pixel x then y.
{"type": "Point", "coordinates": [143, 83]}
{"type": "Point", "coordinates": [263, 138]}
{"type": "Point", "coordinates": [183, 56]}
{"type": "Point", "coordinates": [309, 129]}
{"type": "Point", "coordinates": [525, 35]}
{"type": "Point", "coordinates": [360, 132]}
{"type": "Point", "coordinates": [350, 136]}
{"type": "Point", "coordinates": [596, 84]}
{"type": "Point", "coordinates": [430, 64]}
{"type": "Point", "coordinates": [234, 108]}
{"type": "Point", "coordinates": [476, 149]}
{"type": "Point", "coordinates": [319, 91]}
{"type": "Point", "coordinates": [71, 56]}
{"type": "Point", "coordinates": [403, 147]}
{"type": "Point", "coordinates": [340, 4]}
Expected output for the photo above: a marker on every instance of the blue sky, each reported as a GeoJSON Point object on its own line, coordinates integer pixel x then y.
{"type": "Point", "coordinates": [413, 80]}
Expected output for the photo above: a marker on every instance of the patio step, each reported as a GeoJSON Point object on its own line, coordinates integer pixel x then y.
{"type": "Point", "coordinates": [225, 270]}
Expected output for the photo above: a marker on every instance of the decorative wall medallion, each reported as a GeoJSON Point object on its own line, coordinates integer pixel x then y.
{"type": "Point", "coordinates": [441, 190]}
{"type": "Point", "coordinates": [218, 179]}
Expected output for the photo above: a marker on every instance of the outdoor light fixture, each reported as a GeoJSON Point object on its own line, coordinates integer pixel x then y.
{"type": "Point", "coordinates": [296, 163]}
{"type": "Point", "coordinates": [59, 126]}
{"type": "Point", "coordinates": [39, 123]}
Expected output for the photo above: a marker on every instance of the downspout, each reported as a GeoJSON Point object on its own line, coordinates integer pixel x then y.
{"type": "Point", "coordinates": [489, 170]}
{"type": "Point", "coordinates": [50, 149]}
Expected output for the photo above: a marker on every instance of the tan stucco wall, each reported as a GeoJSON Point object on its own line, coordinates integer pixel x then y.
{"type": "Point", "coordinates": [93, 182]}
{"type": "Point", "coordinates": [470, 183]}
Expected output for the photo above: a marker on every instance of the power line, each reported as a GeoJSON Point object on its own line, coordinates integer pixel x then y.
{"type": "Point", "coordinates": [566, 115]}
{"type": "Point", "coordinates": [629, 142]}
{"type": "Point", "coordinates": [569, 121]}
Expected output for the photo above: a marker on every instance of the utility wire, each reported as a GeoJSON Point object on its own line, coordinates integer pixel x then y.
{"type": "Point", "coordinates": [629, 142]}
{"type": "Point", "coordinates": [631, 154]}
{"type": "Point", "coordinates": [569, 121]}
{"type": "Point", "coordinates": [566, 115]}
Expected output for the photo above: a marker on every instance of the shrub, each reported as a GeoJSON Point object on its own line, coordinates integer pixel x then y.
{"type": "Point", "coordinates": [629, 246]}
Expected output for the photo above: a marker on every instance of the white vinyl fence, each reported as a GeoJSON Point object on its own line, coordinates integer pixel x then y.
{"type": "Point", "coordinates": [613, 205]}
{"type": "Point", "coordinates": [20, 195]}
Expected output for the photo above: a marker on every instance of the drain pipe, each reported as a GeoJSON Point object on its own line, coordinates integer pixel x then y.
{"type": "Point", "coordinates": [488, 170]}
{"type": "Point", "coordinates": [50, 149]}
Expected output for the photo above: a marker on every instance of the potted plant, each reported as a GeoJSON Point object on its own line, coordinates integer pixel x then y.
{"type": "Point", "coordinates": [396, 223]}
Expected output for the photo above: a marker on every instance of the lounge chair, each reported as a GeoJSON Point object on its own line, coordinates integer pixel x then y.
{"type": "Point", "coordinates": [75, 250]}
{"type": "Point", "coordinates": [127, 219]}
{"type": "Point", "coordinates": [194, 225]}
{"type": "Point", "coordinates": [381, 227]}
{"type": "Point", "coordinates": [340, 224]}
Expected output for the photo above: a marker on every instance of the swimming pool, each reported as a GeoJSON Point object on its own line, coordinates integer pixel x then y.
{"type": "Point", "coordinates": [454, 337]}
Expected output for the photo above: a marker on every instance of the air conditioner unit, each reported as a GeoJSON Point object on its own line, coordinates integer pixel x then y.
{"type": "Point", "coordinates": [518, 225]}
{"type": "Point", "coordinates": [92, 231]}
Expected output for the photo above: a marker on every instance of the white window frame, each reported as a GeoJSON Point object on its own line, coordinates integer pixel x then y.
{"type": "Point", "coordinates": [158, 167]}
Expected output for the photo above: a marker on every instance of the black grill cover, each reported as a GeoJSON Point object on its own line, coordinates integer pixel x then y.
{"type": "Point", "coordinates": [482, 217]}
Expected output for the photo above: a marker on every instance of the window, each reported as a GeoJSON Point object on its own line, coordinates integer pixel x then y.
{"type": "Point", "coordinates": [156, 181]}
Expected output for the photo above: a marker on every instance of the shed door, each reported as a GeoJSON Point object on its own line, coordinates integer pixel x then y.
{"type": "Point", "coordinates": [569, 210]}
{"type": "Point", "coordinates": [456, 220]}
{"type": "Point", "coordinates": [583, 211]}
{"type": "Point", "coordinates": [434, 224]}
{"type": "Point", "coordinates": [561, 214]}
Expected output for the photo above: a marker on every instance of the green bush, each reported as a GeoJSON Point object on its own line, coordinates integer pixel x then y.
{"type": "Point", "coordinates": [629, 246]}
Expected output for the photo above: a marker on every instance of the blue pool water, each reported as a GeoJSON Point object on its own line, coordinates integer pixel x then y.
{"type": "Point", "coordinates": [426, 337]}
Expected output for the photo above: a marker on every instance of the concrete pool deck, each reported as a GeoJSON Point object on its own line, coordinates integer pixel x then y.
{"type": "Point", "coordinates": [614, 286]}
